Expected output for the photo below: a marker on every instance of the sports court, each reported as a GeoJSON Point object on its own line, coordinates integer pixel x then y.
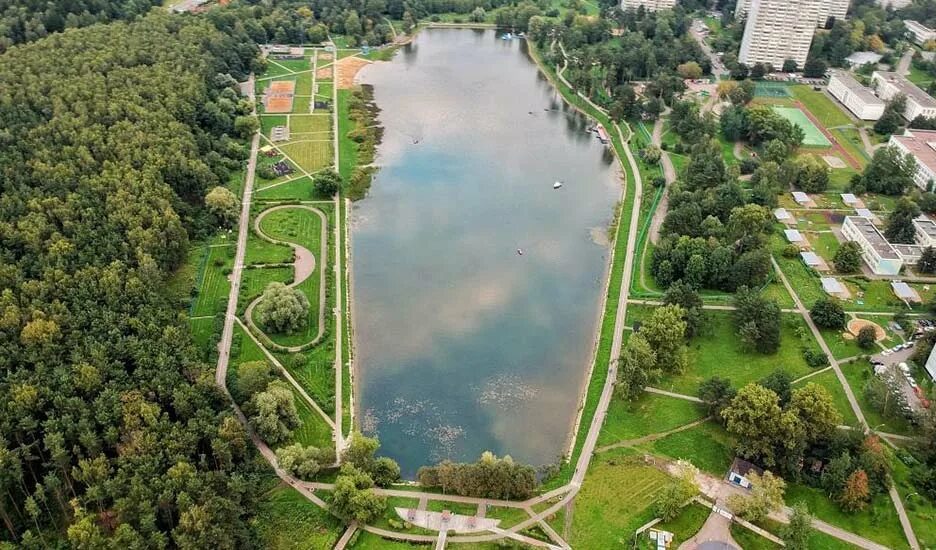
{"type": "Point", "coordinates": [813, 137]}
{"type": "Point", "coordinates": [279, 96]}
{"type": "Point", "coordinates": [771, 89]}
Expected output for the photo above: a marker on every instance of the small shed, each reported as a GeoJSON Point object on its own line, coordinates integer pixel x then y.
{"type": "Point", "coordinates": [795, 237]}
{"type": "Point", "coordinates": [783, 216]}
{"type": "Point", "coordinates": [851, 200]}
{"type": "Point", "coordinates": [814, 261]}
{"type": "Point", "coordinates": [905, 292]}
{"type": "Point", "coordinates": [834, 287]}
{"type": "Point", "coordinates": [802, 198]}
{"type": "Point", "coordinates": [739, 472]}
{"type": "Point", "coordinates": [866, 214]}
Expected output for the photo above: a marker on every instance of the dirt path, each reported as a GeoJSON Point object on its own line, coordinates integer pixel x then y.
{"type": "Point", "coordinates": [652, 437]}
{"type": "Point", "coordinates": [669, 174]}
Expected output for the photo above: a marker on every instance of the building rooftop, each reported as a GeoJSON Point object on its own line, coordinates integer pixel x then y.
{"type": "Point", "coordinates": [916, 26]}
{"type": "Point", "coordinates": [781, 214]}
{"type": "Point", "coordinates": [921, 144]}
{"type": "Point", "coordinates": [864, 213]}
{"type": "Point", "coordinates": [926, 225]}
{"type": "Point", "coordinates": [874, 237]}
{"type": "Point", "coordinates": [793, 235]}
{"type": "Point", "coordinates": [801, 197]}
{"type": "Point", "coordinates": [903, 290]}
{"type": "Point", "coordinates": [931, 364]}
{"type": "Point", "coordinates": [831, 285]}
{"type": "Point", "coordinates": [811, 258]}
{"type": "Point", "coordinates": [863, 92]}
{"type": "Point", "coordinates": [743, 467]}
{"type": "Point", "coordinates": [863, 58]}
{"type": "Point", "coordinates": [904, 86]}
{"type": "Point", "coordinates": [908, 251]}
{"type": "Point", "coordinates": [849, 198]}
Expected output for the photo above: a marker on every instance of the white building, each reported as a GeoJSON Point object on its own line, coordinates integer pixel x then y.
{"type": "Point", "coordinates": [875, 250]}
{"type": "Point", "coordinates": [778, 30]}
{"type": "Point", "coordinates": [826, 9]}
{"type": "Point", "coordinates": [920, 32]}
{"type": "Point", "coordinates": [889, 84]}
{"type": "Point", "coordinates": [859, 59]}
{"type": "Point", "coordinates": [859, 100]}
{"type": "Point", "coordinates": [925, 231]}
{"type": "Point", "coordinates": [921, 145]}
{"type": "Point", "coordinates": [650, 5]}
{"type": "Point", "coordinates": [931, 364]}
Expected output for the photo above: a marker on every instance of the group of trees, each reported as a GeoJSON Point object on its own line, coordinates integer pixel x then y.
{"type": "Point", "coordinates": [354, 498]}
{"type": "Point", "coordinates": [890, 172]}
{"type": "Point", "coordinates": [282, 309]}
{"type": "Point", "coordinates": [658, 347]}
{"type": "Point", "coordinates": [113, 431]}
{"type": "Point", "coordinates": [489, 477]}
{"type": "Point", "coordinates": [652, 46]}
{"type": "Point", "coordinates": [757, 319]}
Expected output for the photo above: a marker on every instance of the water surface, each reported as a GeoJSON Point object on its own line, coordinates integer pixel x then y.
{"type": "Point", "coordinates": [463, 344]}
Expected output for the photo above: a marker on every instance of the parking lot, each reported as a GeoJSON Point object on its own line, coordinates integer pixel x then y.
{"type": "Point", "coordinates": [893, 365]}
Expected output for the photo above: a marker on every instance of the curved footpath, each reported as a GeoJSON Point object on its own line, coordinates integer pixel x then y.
{"type": "Point", "coordinates": [303, 266]}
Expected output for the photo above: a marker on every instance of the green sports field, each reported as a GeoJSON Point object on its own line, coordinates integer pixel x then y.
{"type": "Point", "coordinates": [814, 138]}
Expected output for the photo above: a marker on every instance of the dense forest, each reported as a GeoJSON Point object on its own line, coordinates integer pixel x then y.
{"type": "Point", "coordinates": [113, 434]}
{"type": "Point", "coordinates": [28, 20]}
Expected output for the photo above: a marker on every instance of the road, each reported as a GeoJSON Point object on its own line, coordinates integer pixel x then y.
{"type": "Point", "coordinates": [718, 68]}
{"type": "Point", "coordinates": [903, 66]}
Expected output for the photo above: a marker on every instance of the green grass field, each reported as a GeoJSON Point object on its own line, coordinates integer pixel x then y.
{"type": "Point", "coordinates": [348, 149]}
{"type": "Point", "coordinates": [921, 510]}
{"type": "Point", "coordinates": [605, 516]}
{"type": "Point", "coordinates": [878, 522]}
{"type": "Point", "coordinates": [649, 414]}
{"type": "Point", "coordinates": [304, 124]}
{"type": "Point", "coordinates": [304, 228]}
{"type": "Point", "coordinates": [824, 109]}
{"type": "Point", "coordinates": [213, 285]}
{"type": "Point", "coordinates": [310, 155]}
{"type": "Point", "coordinates": [813, 137]}
{"type": "Point", "coordinates": [717, 352]}
{"type": "Point", "coordinates": [255, 281]}
{"type": "Point", "coordinates": [267, 122]}
{"type": "Point", "coordinates": [297, 189]}
{"type": "Point", "coordinates": [684, 527]}
{"type": "Point", "coordinates": [286, 520]}
{"type": "Point", "coordinates": [313, 429]}
{"type": "Point", "coordinates": [708, 446]}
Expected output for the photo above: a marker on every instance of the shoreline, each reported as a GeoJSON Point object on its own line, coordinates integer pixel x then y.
{"type": "Point", "coordinates": [568, 445]}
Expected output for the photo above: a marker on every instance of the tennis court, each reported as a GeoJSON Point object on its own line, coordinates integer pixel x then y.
{"type": "Point", "coordinates": [771, 89]}
{"type": "Point", "coordinates": [813, 137]}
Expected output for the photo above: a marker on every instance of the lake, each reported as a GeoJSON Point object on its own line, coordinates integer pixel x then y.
{"type": "Point", "coordinates": [463, 344]}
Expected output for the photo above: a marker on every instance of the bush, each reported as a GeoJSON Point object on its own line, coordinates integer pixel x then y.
{"type": "Point", "coordinates": [791, 251]}
{"type": "Point", "coordinates": [867, 337]}
{"type": "Point", "coordinates": [748, 165]}
{"type": "Point", "coordinates": [815, 358]}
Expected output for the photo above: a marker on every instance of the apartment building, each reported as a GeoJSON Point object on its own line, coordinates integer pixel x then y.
{"type": "Point", "coordinates": [921, 145]}
{"type": "Point", "coordinates": [827, 8]}
{"type": "Point", "coordinates": [875, 250]}
{"type": "Point", "coordinates": [889, 84]}
{"type": "Point", "coordinates": [778, 30]}
{"type": "Point", "coordinates": [860, 100]}
{"type": "Point", "coordinates": [650, 5]}
{"type": "Point", "coordinates": [920, 32]}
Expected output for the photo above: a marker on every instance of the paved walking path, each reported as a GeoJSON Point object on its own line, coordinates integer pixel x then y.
{"type": "Point", "coordinates": [683, 396]}
{"type": "Point", "coordinates": [669, 174]}
{"type": "Point", "coordinates": [346, 537]}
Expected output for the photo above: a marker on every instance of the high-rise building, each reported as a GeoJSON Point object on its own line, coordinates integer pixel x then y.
{"type": "Point", "coordinates": [778, 30]}
{"type": "Point", "coordinates": [651, 5]}
{"type": "Point", "coordinates": [827, 8]}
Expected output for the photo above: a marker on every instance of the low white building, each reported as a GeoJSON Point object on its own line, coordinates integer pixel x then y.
{"type": "Point", "coordinates": [889, 84]}
{"type": "Point", "coordinates": [931, 364]}
{"type": "Point", "coordinates": [925, 231]}
{"type": "Point", "coordinates": [875, 250]}
{"type": "Point", "coordinates": [794, 236]}
{"type": "Point", "coordinates": [850, 199]}
{"type": "Point", "coordinates": [801, 198]}
{"type": "Point", "coordinates": [860, 100]}
{"type": "Point", "coordinates": [859, 59]}
{"type": "Point", "coordinates": [834, 287]}
{"type": "Point", "coordinates": [921, 145]}
{"type": "Point", "coordinates": [920, 32]}
{"type": "Point", "coordinates": [783, 216]}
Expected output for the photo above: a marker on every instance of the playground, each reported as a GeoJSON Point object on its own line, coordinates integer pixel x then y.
{"type": "Point", "coordinates": [813, 136]}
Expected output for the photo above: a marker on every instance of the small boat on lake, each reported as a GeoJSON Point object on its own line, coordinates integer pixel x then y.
{"type": "Point", "coordinates": [520, 251]}
{"type": "Point", "coordinates": [557, 185]}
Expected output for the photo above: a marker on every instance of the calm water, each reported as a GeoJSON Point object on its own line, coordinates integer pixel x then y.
{"type": "Point", "coordinates": [464, 345]}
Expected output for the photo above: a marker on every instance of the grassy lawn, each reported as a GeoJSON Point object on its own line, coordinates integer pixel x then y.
{"type": "Point", "coordinates": [830, 382]}
{"type": "Point", "coordinates": [921, 510]}
{"type": "Point", "coordinates": [708, 446]}
{"type": "Point", "coordinates": [508, 516]}
{"type": "Point", "coordinates": [919, 77]}
{"type": "Point", "coordinates": [260, 251]}
{"type": "Point", "coordinates": [286, 520]}
{"type": "Point", "coordinates": [857, 374]}
{"type": "Point", "coordinates": [325, 90]}
{"type": "Point", "coordinates": [824, 109]}
{"type": "Point", "coordinates": [255, 281]}
{"type": "Point", "coordinates": [347, 148]}
{"type": "Point", "coordinates": [803, 279]}
{"type": "Point", "coordinates": [717, 352]}
{"type": "Point", "coordinates": [824, 244]}
{"type": "Point", "coordinates": [649, 414]}
{"type": "Point", "coordinates": [605, 516]}
{"type": "Point", "coordinates": [878, 522]}
{"type": "Point", "coordinates": [297, 189]}
{"type": "Point", "coordinates": [303, 89]}
{"type": "Point", "coordinates": [850, 140]}
{"type": "Point", "coordinates": [684, 527]}
{"type": "Point", "coordinates": [202, 331]}
{"type": "Point", "coordinates": [304, 228]}
{"type": "Point", "coordinates": [213, 286]}
{"type": "Point", "coordinates": [312, 430]}
{"type": "Point", "coordinates": [454, 507]}
{"type": "Point", "coordinates": [749, 540]}
{"type": "Point", "coordinates": [841, 347]}
{"type": "Point", "coordinates": [302, 124]}
{"type": "Point", "coordinates": [267, 122]}
{"type": "Point", "coordinates": [311, 155]}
